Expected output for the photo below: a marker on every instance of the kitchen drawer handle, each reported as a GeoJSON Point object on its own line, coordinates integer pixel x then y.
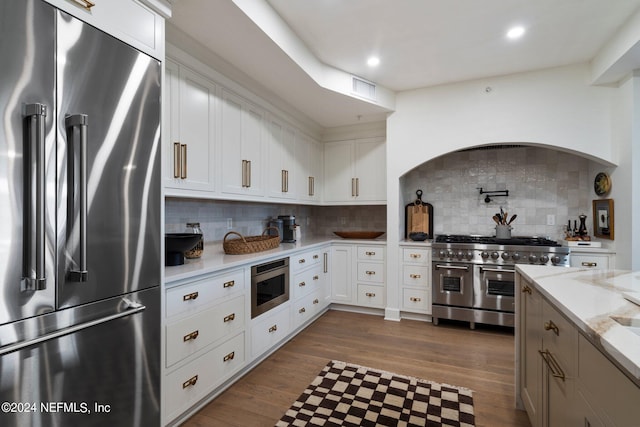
{"type": "Point", "coordinates": [415, 276]}
{"type": "Point", "coordinates": [316, 301]}
{"type": "Point", "coordinates": [190, 337]}
{"type": "Point", "coordinates": [370, 294]}
{"type": "Point", "coordinates": [229, 356]}
{"type": "Point", "coordinates": [370, 273]}
{"type": "Point", "coordinates": [302, 310]}
{"type": "Point", "coordinates": [86, 4]}
{"type": "Point", "coordinates": [550, 326]}
{"type": "Point", "coordinates": [183, 161]}
{"type": "Point", "coordinates": [316, 256]}
{"type": "Point", "coordinates": [452, 267]}
{"type": "Point", "coordinates": [190, 382]}
{"type": "Point", "coordinates": [589, 264]}
{"type": "Point", "coordinates": [229, 284]}
{"type": "Point", "coordinates": [526, 289]}
{"type": "Point", "coordinates": [415, 299]}
{"type": "Point", "coordinates": [190, 297]}
{"type": "Point", "coordinates": [176, 160]}
{"type": "Point", "coordinates": [551, 362]}
{"type": "Point", "coordinates": [370, 253]}
{"type": "Point", "coordinates": [302, 284]}
{"type": "Point", "coordinates": [302, 261]}
{"type": "Point", "coordinates": [415, 255]}
{"type": "Point", "coordinates": [273, 328]}
{"type": "Point", "coordinates": [316, 277]}
{"type": "Point", "coordinates": [229, 318]}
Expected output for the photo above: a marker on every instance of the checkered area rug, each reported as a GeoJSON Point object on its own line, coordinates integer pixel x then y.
{"type": "Point", "coordinates": [344, 394]}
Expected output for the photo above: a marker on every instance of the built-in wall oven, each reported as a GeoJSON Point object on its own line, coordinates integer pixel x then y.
{"type": "Point", "coordinates": [269, 286]}
{"type": "Point", "coordinates": [473, 277]}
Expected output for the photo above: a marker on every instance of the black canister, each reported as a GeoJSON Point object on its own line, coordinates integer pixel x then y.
{"type": "Point", "coordinates": [288, 228]}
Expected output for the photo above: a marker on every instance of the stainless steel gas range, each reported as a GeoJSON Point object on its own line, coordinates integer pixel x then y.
{"type": "Point", "coordinates": [473, 277]}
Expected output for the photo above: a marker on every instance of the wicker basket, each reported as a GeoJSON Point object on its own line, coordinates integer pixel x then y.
{"type": "Point", "coordinates": [250, 244]}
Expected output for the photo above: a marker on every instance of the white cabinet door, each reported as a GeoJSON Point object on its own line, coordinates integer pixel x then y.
{"type": "Point", "coordinates": [190, 112]}
{"type": "Point", "coordinates": [339, 184]}
{"type": "Point", "coordinates": [341, 274]}
{"type": "Point", "coordinates": [281, 168]}
{"type": "Point", "coordinates": [370, 170]}
{"type": "Point", "coordinates": [530, 341]}
{"type": "Point", "coordinates": [310, 163]}
{"type": "Point", "coordinates": [242, 146]}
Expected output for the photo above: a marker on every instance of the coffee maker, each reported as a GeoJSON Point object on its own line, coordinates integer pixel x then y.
{"type": "Point", "coordinates": [288, 228]}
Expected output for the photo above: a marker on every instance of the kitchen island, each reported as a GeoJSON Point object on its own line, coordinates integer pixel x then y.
{"type": "Point", "coordinates": [577, 351]}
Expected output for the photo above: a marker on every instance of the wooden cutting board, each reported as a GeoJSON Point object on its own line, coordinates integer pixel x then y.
{"type": "Point", "coordinates": [419, 217]}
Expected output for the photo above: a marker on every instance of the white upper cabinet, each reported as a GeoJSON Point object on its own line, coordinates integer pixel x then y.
{"type": "Point", "coordinates": [190, 110]}
{"type": "Point", "coordinates": [243, 159]}
{"type": "Point", "coordinates": [282, 168]}
{"type": "Point", "coordinates": [309, 159]}
{"type": "Point", "coordinates": [355, 171]}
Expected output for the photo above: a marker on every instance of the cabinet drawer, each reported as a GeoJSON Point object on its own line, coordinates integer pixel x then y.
{"type": "Point", "coordinates": [415, 275]}
{"type": "Point", "coordinates": [197, 295]}
{"type": "Point", "coordinates": [193, 333]}
{"type": "Point", "coordinates": [416, 300]}
{"type": "Point", "coordinates": [187, 385]}
{"type": "Point", "coordinates": [589, 261]}
{"type": "Point", "coordinates": [415, 256]}
{"type": "Point", "coordinates": [370, 295]}
{"type": "Point", "coordinates": [371, 272]}
{"type": "Point", "coordinates": [373, 253]}
{"type": "Point", "coordinates": [559, 338]}
{"type": "Point", "coordinates": [267, 332]}
{"type": "Point", "coordinates": [305, 282]}
{"type": "Point", "coordinates": [305, 260]}
{"type": "Point", "coordinates": [307, 307]}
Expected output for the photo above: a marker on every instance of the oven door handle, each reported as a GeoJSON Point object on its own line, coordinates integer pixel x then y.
{"type": "Point", "coordinates": [496, 270]}
{"type": "Point", "coordinates": [453, 267]}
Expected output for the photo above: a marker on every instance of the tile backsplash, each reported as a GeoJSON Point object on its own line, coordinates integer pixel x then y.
{"type": "Point", "coordinates": [544, 186]}
{"type": "Point", "coordinates": [251, 218]}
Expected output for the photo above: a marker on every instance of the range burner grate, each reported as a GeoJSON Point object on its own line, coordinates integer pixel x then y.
{"type": "Point", "coordinates": [492, 240]}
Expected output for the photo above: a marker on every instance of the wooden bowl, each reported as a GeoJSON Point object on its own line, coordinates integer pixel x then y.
{"type": "Point", "coordinates": [359, 234]}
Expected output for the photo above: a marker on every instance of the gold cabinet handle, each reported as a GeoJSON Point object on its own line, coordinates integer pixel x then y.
{"type": "Point", "coordinates": [229, 318]}
{"type": "Point", "coordinates": [183, 161]}
{"type": "Point", "coordinates": [316, 301]}
{"type": "Point", "coordinates": [353, 187]}
{"type": "Point", "coordinates": [357, 186]}
{"type": "Point", "coordinates": [248, 173]}
{"type": "Point", "coordinates": [283, 181]}
{"type": "Point", "coordinates": [229, 284]}
{"type": "Point", "coordinates": [550, 326]}
{"type": "Point", "coordinates": [370, 273]}
{"type": "Point", "coordinates": [85, 4]}
{"type": "Point", "coordinates": [415, 255]}
{"type": "Point", "coordinates": [589, 264]}
{"type": "Point", "coordinates": [244, 173]}
{"type": "Point", "coordinates": [301, 261]}
{"type": "Point", "coordinates": [302, 284]}
{"type": "Point", "coordinates": [190, 297]}
{"type": "Point", "coordinates": [190, 382]}
{"type": "Point", "coordinates": [302, 310]}
{"type": "Point", "coordinates": [273, 328]}
{"type": "Point", "coordinates": [415, 299]}
{"type": "Point", "coordinates": [370, 253]}
{"type": "Point", "coordinates": [191, 336]}
{"type": "Point", "coordinates": [229, 356]}
{"type": "Point", "coordinates": [316, 256]}
{"type": "Point", "coordinates": [526, 289]}
{"type": "Point", "coordinates": [370, 294]}
{"type": "Point", "coordinates": [316, 277]}
{"type": "Point", "coordinates": [551, 362]}
{"type": "Point", "coordinates": [310, 186]}
{"type": "Point", "coordinates": [176, 160]}
{"type": "Point", "coordinates": [415, 276]}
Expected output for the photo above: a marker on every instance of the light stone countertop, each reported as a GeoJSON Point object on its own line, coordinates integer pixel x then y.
{"type": "Point", "coordinates": [214, 259]}
{"type": "Point", "coordinates": [589, 298]}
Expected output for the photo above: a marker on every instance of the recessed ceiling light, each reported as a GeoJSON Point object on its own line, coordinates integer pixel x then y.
{"type": "Point", "coordinates": [373, 61]}
{"type": "Point", "coordinates": [515, 32]}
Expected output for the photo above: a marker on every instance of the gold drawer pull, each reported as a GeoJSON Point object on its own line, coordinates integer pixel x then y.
{"type": "Point", "coordinates": [526, 289]}
{"type": "Point", "coordinates": [316, 256]}
{"type": "Point", "coordinates": [415, 299]}
{"type": "Point", "coordinates": [229, 284]}
{"type": "Point", "coordinates": [370, 294]}
{"type": "Point", "coordinates": [229, 318]}
{"type": "Point", "coordinates": [190, 337]}
{"type": "Point", "coordinates": [302, 261]}
{"type": "Point", "coordinates": [316, 277]}
{"type": "Point", "coordinates": [229, 356]}
{"type": "Point", "coordinates": [415, 276]}
{"type": "Point", "coordinates": [589, 264]}
{"type": "Point", "coordinates": [551, 362]}
{"type": "Point", "coordinates": [190, 297]}
{"type": "Point", "coordinates": [301, 284]}
{"type": "Point", "coordinates": [370, 253]}
{"type": "Point", "coordinates": [550, 326]}
{"type": "Point", "coordinates": [370, 273]}
{"type": "Point", "coordinates": [302, 310]}
{"type": "Point", "coordinates": [176, 160]}
{"type": "Point", "coordinates": [190, 382]}
{"type": "Point", "coordinates": [415, 255]}
{"type": "Point", "coordinates": [85, 4]}
{"type": "Point", "coordinates": [273, 328]}
{"type": "Point", "coordinates": [316, 301]}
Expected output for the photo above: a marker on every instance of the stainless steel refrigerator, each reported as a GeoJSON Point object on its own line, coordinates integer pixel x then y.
{"type": "Point", "coordinates": [80, 224]}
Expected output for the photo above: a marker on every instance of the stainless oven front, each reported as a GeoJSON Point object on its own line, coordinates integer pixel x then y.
{"type": "Point", "coordinates": [494, 287]}
{"type": "Point", "coordinates": [452, 284]}
{"type": "Point", "coordinates": [269, 286]}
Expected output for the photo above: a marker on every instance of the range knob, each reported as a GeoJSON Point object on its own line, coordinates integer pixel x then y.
{"type": "Point", "coordinates": [494, 255]}
{"type": "Point", "coordinates": [442, 253]}
{"type": "Point", "coordinates": [515, 256]}
{"type": "Point", "coordinates": [544, 259]}
{"type": "Point", "coordinates": [450, 254]}
{"type": "Point", "coordinates": [460, 254]}
{"type": "Point", "coordinates": [484, 254]}
{"type": "Point", "coordinates": [469, 255]}
{"type": "Point", "coordinates": [505, 255]}
{"type": "Point", "coordinates": [533, 258]}
{"type": "Point", "coordinates": [555, 259]}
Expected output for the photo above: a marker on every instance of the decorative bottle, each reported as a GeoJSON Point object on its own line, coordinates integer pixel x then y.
{"type": "Point", "coordinates": [196, 251]}
{"type": "Point", "coordinates": [582, 231]}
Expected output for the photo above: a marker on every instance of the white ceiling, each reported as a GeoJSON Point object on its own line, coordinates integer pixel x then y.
{"type": "Point", "coordinates": [420, 43]}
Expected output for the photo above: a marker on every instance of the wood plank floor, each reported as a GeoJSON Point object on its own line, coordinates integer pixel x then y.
{"type": "Point", "coordinates": [481, 359]}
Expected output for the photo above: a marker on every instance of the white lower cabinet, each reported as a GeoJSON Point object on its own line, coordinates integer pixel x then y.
{"type": "Point", "coordinates": [269, 329]}
{"type": "Point", "coordinates": [592, 258]}
{"type": "Point", "coordinates": [416, 279]}
{"type": "Point", "coordinates": [308, 285]}
{"type": "Point", "coordinates": [358, 275]}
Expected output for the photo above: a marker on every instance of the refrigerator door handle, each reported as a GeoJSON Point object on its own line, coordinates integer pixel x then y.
{"type": "Point", "coordinates": [34, 278]}
{"type": "Point", "coordinates": [77, 130]}
{"type": "Point", "coordinates": [132, 308]}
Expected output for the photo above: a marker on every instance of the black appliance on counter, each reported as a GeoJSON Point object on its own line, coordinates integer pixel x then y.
{"type": "Point", "coordinates": [474, 276]}
{"type": "Point", "coordinates": [288, 228]}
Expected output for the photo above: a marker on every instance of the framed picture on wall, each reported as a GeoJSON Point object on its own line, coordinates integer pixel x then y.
{"type": "Point", "coordinates": [603, 218]}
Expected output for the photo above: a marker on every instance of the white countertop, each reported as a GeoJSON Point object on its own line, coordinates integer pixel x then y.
{"type": "Point", "coordinates": [589, 298]}
{"type": "Point", "coordinates": [214, 259]}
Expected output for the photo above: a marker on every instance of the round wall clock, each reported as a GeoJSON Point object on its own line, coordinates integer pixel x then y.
{"type": "Point", "coordinates": [602, 184]}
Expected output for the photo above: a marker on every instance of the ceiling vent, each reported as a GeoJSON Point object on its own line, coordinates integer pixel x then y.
{"type": "Point", "coordinates": [364, 89]}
